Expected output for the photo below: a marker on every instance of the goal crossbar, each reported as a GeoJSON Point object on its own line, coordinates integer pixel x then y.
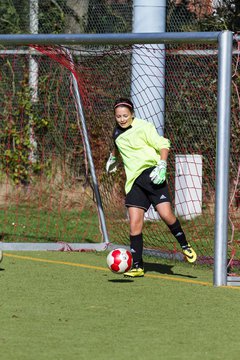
{"type": "Point", "coordinates": [110, 39]}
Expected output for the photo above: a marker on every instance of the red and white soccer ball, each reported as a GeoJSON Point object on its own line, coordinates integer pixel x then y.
{"type": "Point", "coordinates": [119, 260]}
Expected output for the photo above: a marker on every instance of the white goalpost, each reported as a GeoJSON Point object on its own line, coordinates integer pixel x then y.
{"type": "Point", "coordinates": [223, 41]}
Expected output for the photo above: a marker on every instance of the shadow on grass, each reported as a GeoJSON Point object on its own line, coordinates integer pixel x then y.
{"type": "Point", "coordinates": [121, 280]}
{"type": "Point", "coordinates": [163, 269]}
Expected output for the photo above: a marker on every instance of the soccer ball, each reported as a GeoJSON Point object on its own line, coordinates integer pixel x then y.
{"type": "Point", "coordinates": [119, 261]}
{"type": "Point", "coordinates": [1, 255]}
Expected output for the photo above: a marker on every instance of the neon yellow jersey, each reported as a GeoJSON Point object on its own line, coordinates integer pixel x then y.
{"type": "Point", "coordinates": [139, 147]}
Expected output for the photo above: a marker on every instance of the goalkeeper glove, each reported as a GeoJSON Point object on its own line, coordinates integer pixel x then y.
{"type": "Point", "coordinates": [111, 165]}
{"type": "Point", "coordinates": [158, 175]}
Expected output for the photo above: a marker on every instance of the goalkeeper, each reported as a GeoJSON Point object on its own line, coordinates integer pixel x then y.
{"type": "Point", "coordinates": [144, 154]}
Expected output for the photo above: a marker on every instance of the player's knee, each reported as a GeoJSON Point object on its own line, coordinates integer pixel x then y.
{"type": "Point", "coordinates": [167, 216]}
{"type": "Point", "coordinates": [136, 227]}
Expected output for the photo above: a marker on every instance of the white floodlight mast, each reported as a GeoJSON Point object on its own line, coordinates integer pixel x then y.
{"type": "Point", "coordinates": [149, 17]}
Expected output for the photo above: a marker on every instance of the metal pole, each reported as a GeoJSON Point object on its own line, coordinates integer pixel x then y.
{"type": "Point", "coordinates": [33, 73]}
{"type": "Point", "coordinates": [33, 65]}
{"type": "Point", "coordinates": [222, 157]}
{"type": "Point", "coordinates": [90, 160]}
{"type": "Point", "coordinates": [118, 38]}
{"type": "Point", "coordinates": [148, 85]}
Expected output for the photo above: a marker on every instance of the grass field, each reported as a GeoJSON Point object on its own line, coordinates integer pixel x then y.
{"type": "Point", "coordinates": [65, 305]}
{"type": "Point", "coordinates": [48, 226]}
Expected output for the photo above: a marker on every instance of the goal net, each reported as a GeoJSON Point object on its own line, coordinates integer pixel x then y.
{"type": "Point", "coordinates": [47, 192]}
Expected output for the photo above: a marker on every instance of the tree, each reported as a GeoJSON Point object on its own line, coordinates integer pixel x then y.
{"type": "Point", "coordinates": [76, 15]}
{"type": "Point", "coordinates": [226, 16]}
{"type": "Point", "coordinates": [203, 15]}
{"type": "Point", "coordinates": [13, 21]}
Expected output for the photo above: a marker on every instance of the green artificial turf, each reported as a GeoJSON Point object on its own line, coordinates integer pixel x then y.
{"type": "Point", "coordinates": [67, 306]}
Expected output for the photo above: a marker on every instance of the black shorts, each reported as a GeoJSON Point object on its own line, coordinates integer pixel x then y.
{"type": "Point", "coordinates": [145, 193]}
